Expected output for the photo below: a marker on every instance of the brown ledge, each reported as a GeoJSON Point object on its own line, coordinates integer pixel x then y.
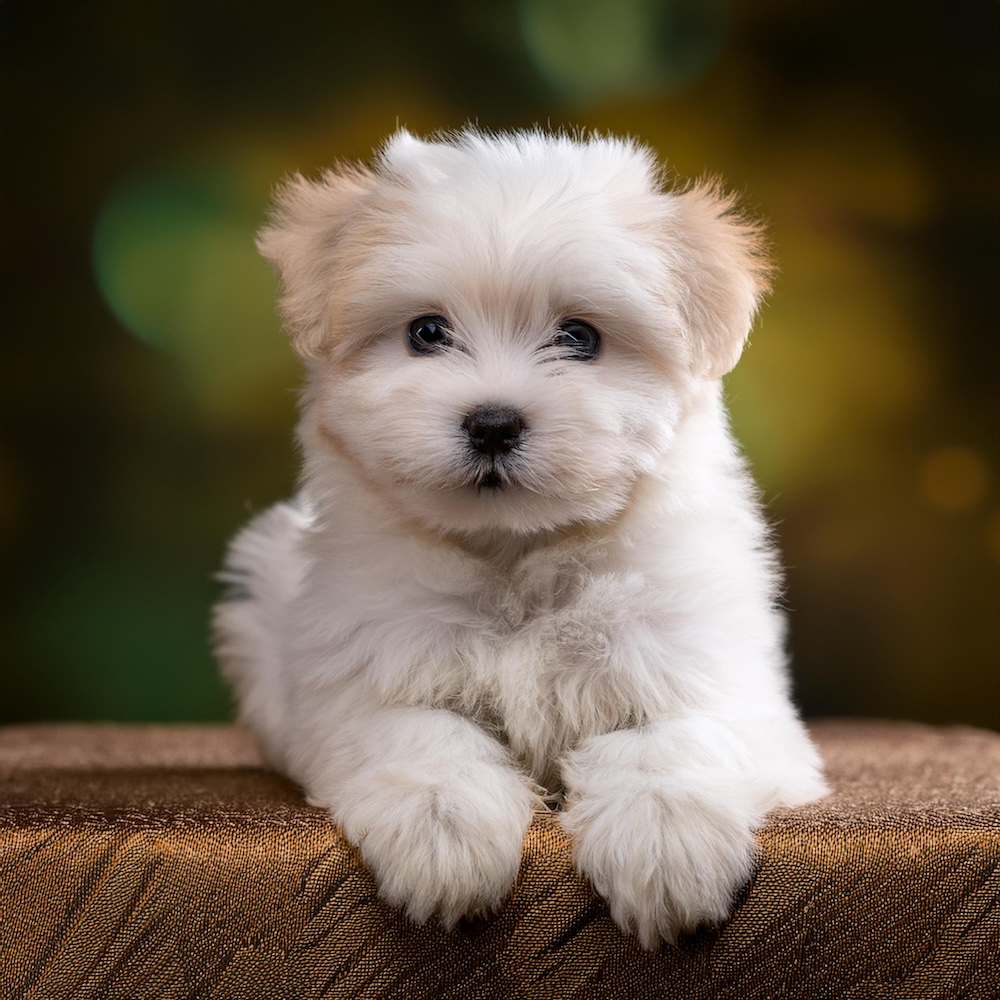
{"type": "Point", "coordinates": [163, 861]}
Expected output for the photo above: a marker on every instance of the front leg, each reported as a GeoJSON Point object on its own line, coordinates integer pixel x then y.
{"type": "Point", "coordinates": [663, 818]}
{"type": "Point", "coordinates": [434, 804]}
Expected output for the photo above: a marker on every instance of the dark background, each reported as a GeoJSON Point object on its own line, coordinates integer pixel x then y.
{"type": "Point", "coordinates": [147, 391]}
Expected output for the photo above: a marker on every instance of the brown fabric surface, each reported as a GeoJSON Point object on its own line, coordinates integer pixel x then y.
{"type": "Point", "coordinates": [156, 861]}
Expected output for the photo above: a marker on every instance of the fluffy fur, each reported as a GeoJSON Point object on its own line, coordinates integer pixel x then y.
{"type": "Point", "coordinates": [434, 653]}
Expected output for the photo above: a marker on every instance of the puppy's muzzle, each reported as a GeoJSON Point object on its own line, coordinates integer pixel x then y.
{"type": "Point", "coordinates": [494, 430]}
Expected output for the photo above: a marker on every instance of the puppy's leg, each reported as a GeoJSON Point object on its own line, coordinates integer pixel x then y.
{"type": "Point", "coordinates": [434, 804]}
{"type": "Point", "coordinates": [264, 567]}
{"type": "Point", "coordinates": [664, 815]}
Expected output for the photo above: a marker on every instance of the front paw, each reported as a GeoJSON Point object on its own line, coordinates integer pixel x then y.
{"type": "Point", "coordinates": [444, 848]}
{"type": "Point", "coordinates": [664, 863]}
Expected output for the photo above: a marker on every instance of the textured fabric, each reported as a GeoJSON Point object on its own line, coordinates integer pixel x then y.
{"type": "Point", "coordinates": [142, 862]}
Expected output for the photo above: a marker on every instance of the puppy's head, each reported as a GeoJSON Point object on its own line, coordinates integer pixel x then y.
{"type": "Point", "coordinates": [504, 331]}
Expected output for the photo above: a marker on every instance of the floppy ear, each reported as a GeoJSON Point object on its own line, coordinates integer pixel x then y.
{"type": "Point", "coordinates": [301, 240]}
{"type": "Point", "coordinates": [724, 274]}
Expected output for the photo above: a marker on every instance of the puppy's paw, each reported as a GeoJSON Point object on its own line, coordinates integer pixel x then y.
{"type": "Point", "coordinates": [450, 848]}
{"type": "Point", "coordinates": [663, 820]}
{"type": "Point", "coordinates": [663, 864]}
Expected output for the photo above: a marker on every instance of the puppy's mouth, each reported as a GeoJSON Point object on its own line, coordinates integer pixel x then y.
{"type": "Point", "coordinates": [496, 475]}
{"type": "Point", "coordinates": [492, 480]}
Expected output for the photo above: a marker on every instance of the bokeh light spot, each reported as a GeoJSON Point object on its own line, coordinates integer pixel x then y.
{"type": "Point", "coordinates": [954, 478]}
{"type": "Point", "coordinates": [175, 260]}
{"type": "Point", "coordinates": [592, 49]}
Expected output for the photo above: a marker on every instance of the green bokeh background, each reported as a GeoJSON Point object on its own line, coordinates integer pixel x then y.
{"type": "Point", "coordinates": [147, 392]}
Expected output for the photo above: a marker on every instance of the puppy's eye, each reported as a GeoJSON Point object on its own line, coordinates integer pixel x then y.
{"type": "Point", "coordinates": [428, 335]}
{"type": "Point", "coordinates": [576, 340]}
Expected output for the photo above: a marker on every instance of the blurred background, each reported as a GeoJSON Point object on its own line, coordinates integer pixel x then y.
{"type": "Point", "coordinates": [148, 393]}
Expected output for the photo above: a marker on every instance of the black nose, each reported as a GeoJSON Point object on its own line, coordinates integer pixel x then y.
{"type": "Point", "coordinates": [494, 430]}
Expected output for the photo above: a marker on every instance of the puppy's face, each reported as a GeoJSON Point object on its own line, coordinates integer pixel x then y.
{"type": "Point", "coordinates": [504, 333]}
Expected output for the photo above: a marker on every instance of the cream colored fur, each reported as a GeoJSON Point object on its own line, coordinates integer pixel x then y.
{"type": "Point", "coordinates": [433, 660]}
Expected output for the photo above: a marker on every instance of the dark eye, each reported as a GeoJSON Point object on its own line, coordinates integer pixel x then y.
{"type": "Point", "coordinates": [428, 335]}
{"type": "Point", "coordinates": [576, 340]}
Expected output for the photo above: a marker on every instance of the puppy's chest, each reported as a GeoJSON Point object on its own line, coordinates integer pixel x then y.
{"type": "Point", "coordinates": [547, 610]}
{"type": "Point", "coordinates": [544, 668]}
{"type": "Point", "coordinates": [520, 601]}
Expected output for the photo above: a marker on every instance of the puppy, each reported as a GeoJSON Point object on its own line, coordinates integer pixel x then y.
{"type": "Point", "coordinates": [527, 567]}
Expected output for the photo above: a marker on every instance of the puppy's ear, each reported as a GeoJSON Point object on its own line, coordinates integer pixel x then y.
{"type": "Point", "coordinates": [301, 241]}
{"type": "Point", "coordinates": [725, 274]}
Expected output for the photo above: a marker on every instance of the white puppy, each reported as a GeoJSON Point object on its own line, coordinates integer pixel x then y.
{"type": "Point", "coordinates": [527, 564]}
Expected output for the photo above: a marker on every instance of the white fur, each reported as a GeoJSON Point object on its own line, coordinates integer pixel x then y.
{"type": "Point", "coordinates": [433, 660]}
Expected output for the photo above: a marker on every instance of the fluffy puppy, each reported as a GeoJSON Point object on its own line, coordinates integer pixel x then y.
{"type": "Point", "coordinates": [527, 565]}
